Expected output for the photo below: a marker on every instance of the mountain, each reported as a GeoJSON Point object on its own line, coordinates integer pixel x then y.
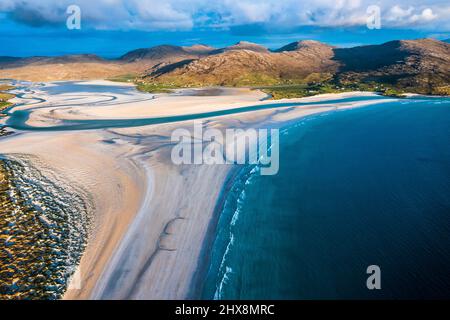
{"type": "Point", "coordinates": [419, 65]}
{"type": "Point", "coordinates": [68, 67]}
{"type": "Point", "coordinates": [301, 45]}
{"type": "Point", "coordinates": [243, 45]}
{"type": "Point", "coordinates": [89, 66]}
{"type": "Point", "coordinates": [166, 53]}
{"type": "Point", "coordinates": [238, 65]}
{"type": "Point", "coordinates": [9, 62]}
{"type": "Point", "coordinates": [414, 65]}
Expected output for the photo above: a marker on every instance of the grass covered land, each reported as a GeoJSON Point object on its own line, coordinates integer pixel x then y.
{"type": "Point", "coordinates": [156, 87]}
{"type": "Point", "coordinates": [143, 86]}
{"type": "Point", "coordinates": [311, 89]}
{"type": "Point", "coordinates": [314, 84]}
{"type": "Point", "coordinates": [129, 77]}
{"type": "Point", "coordinates": [289, 90]}
{"type": "Point", "coordinates": [299, 90]}
{"type": "Point", "coordinates": [4, 96]}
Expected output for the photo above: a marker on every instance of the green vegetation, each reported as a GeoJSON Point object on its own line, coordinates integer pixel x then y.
{"type": "Point", "coordinates": [205, 80]}
{"type": "Point", "coordinates": [144, 86]}
{"type": "Point", "coordinates": [129, 77]}
{"type": "Point", "coordinates": [314, 88]}
{"type": "Point", "coordinates": [300, 90]}
{"type": "Point", "coordinates": [253, 79]}
{"type": "Point", "coordinates": [287, 90]}
{"type": "Point", "coordinates": [4, 97]}
{"type": "Point", "coordinates": [155, 87]}
{"type": "Point", "coordinates": [392, 92]}
{"type": "Point", "coordinates": [442, 90]}
{"type": "Point", "coordinates": [314, 84]}
{"type": "Point", "coordinates": [5, 87]}
{"type": "Point", "coordinates": [4, 105]}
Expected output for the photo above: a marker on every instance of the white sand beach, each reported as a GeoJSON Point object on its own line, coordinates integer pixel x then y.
{"type": "Point", "coordinates": [151, 217]}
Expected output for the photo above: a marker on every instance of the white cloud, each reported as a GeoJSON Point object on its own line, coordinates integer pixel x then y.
{"type": "Point", "coordinates": [186, 14]}
{"type": "Point", "coordinates": [411, 16]}
{"type": "Point", "coordinates": [397, 13]}
{"type": "Point", "coordinates": [426, 15]}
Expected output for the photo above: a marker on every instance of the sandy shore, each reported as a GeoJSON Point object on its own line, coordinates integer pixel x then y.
{"type": "Point", "coordinates": [151, 217]}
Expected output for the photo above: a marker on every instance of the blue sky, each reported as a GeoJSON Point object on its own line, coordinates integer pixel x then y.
{"type": "Point", "coordinates": [112, 27]}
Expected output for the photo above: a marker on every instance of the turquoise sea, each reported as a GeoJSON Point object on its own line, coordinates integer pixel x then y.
{"type": "Point", "coordinates": [360, 187]}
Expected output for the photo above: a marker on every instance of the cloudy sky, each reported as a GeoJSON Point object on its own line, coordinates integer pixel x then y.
{"type": "Point", "coordinates": [111, 27]}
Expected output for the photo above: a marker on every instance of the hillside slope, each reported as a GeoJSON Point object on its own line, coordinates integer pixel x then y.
{"type": "Point", "coordinates": [420, 66]}
{"type": "Point", "coordinates": [88, 66]}
{"type": "Point", "coordinates": [416, 65]}
{"type": "Point", "coordinates": [311, 61]}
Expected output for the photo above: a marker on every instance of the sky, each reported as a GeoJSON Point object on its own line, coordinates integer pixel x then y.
{"type": "Point", "coordinates": [110, 28]}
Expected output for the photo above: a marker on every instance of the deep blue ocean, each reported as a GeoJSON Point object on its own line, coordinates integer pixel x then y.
{"type": "Point", "coordinates": [360, 187]}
